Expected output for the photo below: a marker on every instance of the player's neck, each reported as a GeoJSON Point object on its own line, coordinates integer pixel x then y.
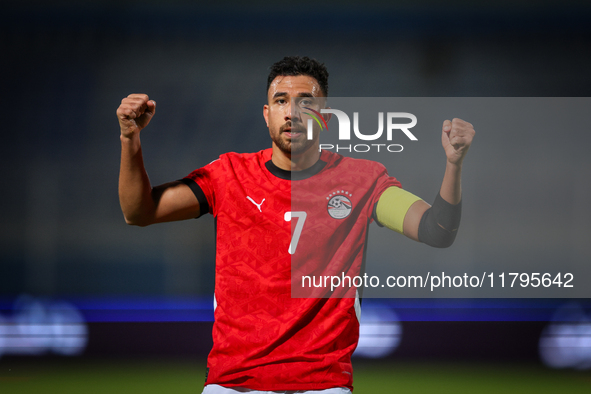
{"type": "Point", "coordinates": [294, 163]}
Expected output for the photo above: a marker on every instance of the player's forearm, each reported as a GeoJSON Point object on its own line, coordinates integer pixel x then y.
{"type": "Point", "coordinates": [135, 191]}
{"type": "Point", "coordinates": [451, 187]}
{"type": "Point", "coordinates": [438, 225]}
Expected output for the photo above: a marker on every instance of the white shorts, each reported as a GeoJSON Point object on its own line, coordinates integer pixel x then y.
{"type": "Point", "coordinates": [217, 389]}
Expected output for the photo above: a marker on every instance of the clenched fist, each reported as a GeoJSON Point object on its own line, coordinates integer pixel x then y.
{"type": "Point", "coordinates": [134, 113]}
{"type": "Point", "coordinates": [456, 138]}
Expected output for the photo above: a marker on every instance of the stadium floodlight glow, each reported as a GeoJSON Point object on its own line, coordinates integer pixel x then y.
{"type": "Point", "coordinates": [40, 327]}
{"type": "Point", "coordinates": [380, 332]}
{"type": "Point", "coordinates": [566, 342]}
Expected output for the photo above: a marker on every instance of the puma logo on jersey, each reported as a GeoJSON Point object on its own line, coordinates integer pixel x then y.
{"type": "Point", "coordinates": [258, 205]}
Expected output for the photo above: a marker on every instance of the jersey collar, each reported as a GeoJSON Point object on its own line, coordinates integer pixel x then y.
{"type": "Point", "coordinates": [295, 175]}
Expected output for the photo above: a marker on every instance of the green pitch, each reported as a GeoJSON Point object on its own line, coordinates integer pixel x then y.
{"type": "Point", "coordinates": [174, 376]}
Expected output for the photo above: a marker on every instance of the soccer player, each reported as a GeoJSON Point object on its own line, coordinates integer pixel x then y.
{"type": "Point", "coordinates": [265, 339]}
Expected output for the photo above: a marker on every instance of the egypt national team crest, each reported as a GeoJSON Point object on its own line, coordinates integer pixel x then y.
{"type": "Point", "coordinates": [339, 205]}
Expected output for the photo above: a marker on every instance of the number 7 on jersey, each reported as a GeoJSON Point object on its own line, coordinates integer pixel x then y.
{"type": "Point", "coordinates": [295, 238]}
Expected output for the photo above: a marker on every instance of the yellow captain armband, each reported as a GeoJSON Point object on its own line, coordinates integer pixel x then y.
{"type": "Point", "coordinates": [392, 207]}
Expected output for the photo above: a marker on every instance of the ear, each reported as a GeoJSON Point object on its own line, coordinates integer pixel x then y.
{"type": "Point", "coordinates": [266, 114]}
{"type": "Point", "coordinates": [327, 117]}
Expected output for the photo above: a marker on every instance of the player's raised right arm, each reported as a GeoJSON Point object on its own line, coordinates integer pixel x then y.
{"type": "Point", "coordinates": [141, 204]}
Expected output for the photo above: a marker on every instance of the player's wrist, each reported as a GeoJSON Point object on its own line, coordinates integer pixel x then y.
{"type": "Point", "coordinates": [130, 140]}
{"type": "Point", "coordinates": [454, 165]}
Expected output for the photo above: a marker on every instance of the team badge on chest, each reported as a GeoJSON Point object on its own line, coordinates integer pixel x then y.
{"type": "Point", "coordinates": [339, 204]}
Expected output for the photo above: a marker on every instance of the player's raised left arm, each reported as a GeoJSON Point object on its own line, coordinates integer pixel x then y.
{"type": "Point", "coordinates": [437, 225]}
{"type": "Point", "coordinates": [456, 138]}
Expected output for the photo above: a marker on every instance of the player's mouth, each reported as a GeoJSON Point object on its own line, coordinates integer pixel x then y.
{"type": "Point", "coordinates": [292, 132]}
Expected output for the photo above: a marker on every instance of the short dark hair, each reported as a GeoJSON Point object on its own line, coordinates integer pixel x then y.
{"type": "Point", "coordinates": [295, 65]}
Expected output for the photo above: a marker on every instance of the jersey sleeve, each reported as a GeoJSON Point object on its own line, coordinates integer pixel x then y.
{"type": "Point", "coordinates": [382, 183]}
{"type": "Point", "coordinates": [202, 182]}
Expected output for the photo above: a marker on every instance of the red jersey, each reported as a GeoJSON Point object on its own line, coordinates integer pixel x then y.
{"type": "Point", "coordinates": [268, 220]}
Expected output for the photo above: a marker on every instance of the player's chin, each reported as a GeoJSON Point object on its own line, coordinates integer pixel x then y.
{"type": "Point", "coordinates": [298, 148]}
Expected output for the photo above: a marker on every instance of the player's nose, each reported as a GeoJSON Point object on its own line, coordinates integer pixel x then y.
{"type": "Point", "coordinates": [293, 113]}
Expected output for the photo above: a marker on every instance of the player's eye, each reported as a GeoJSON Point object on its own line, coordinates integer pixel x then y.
{"type": "Point", "coordinates": [309, 103]}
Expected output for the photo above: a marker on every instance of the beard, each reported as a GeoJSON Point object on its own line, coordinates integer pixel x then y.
{"type": "Point", "coordinates": [293, 146]}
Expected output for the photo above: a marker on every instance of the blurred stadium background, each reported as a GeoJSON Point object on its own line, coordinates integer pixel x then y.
{"type": "Point", "coordinates": [88, 303]}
